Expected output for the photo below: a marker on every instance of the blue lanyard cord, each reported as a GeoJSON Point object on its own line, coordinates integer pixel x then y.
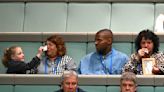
{"type": "Point", "coordinates": [103, 64]}
{"type": "Point", "coordinates": [54, 68]}
{"type": "Point", "coordinates": [110, 65]}
{"type": "Point", "coordinates": [139, 68]}
{"type": "Point", "coordinates": [106, 70]}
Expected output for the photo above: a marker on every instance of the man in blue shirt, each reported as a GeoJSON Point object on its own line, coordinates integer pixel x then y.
{"type": "Point", "coordinates": [106, 60]}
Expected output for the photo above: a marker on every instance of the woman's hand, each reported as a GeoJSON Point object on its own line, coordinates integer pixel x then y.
{"type": "Point", "coordinates": [142, 52]}
{"type": "Point", "coordinates": [155, 70]}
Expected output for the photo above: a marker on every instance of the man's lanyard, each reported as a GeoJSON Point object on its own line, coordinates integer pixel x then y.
{"type": "Point", "coordinates": [54, 67]}
{"type": "Point", "coordinates": [106, 70]}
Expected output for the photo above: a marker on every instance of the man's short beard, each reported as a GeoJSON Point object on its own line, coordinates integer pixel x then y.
{"type": "Point", "coordinates": [101, 51]}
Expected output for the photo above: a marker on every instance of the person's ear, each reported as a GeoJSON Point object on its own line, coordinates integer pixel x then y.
{"type": "Point", "coordinates": [13, 57]}
{"type": "Point", "coordinates": [61, 86]}
{"type": "Point", "coordinates": [110, 40]}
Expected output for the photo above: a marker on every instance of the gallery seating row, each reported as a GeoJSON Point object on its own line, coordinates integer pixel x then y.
{"type": "Point", "coordinates": [91, 83]}
{"type": "Point", "coordinates": [78, 44]}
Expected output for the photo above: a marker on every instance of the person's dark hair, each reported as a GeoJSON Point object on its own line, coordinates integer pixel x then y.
{"type": "Point", "coordinates": [59, 42]}
{"type": "Point", "coordinates": [8, 54]}
{"type": "Point", "coordinates": [148, 35]}
{"type": "Point", "coordinates": [105, 30]}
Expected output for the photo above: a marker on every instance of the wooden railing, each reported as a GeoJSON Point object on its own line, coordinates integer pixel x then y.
{"type": "Point", "coordinates": [140, 1]}
{"type": "Point", "coordinates": [41, 79]}
{"type": "Point", "coordinates": [68, 36]}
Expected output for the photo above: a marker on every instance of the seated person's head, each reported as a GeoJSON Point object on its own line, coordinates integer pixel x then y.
{"type": "Point", "coordinates": [14, 53]}
{"type": "Point", "coordinates": [103, 41]}
{"type": "Point", "coordinates": [128, 82]}
{"type": "Point", "coordinates": [69, 81]}
{"type": "Point", "coordinates": [55, 46]}
{"type": "Point", "coordinates": [147, 39]}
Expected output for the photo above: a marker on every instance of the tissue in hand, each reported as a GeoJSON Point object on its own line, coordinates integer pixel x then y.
{"type": "Point", "coordinates": [45, 48]}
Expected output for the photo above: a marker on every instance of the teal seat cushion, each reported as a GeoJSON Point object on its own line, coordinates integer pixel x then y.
{"type": "Point", "coordinates": [76, 50]}
{"type": "Point", "coordinates": [6, 88]}
{"type": "Point", "coordinates": [161, 48]}
{"type": "Point", "coordinates": [88, 17]}
{"type": "Point", "coordinates": [145, 89]}
{"type": "Point", "coordinates": [36, 88]}
{"type": "Point", "coordinates": [45, 17]}
{"type": "Point", "coordinates": [11, 17]}
{"type": "Point", "coordinates": [159, 89]}
{"type": "Point", "coordinates": [113, 89]}
{"type": "Point", "coordinates": [93, 88]}
{"type": "Point", "coordinates": [123, 47]}
{"type": "Point", "coordinates": [124, 19]}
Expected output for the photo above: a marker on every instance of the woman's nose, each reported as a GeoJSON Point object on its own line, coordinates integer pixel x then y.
{"type": "Point", "coordinates": [95, 42]}
{"type": "Point", "coordinates": [146, 45]}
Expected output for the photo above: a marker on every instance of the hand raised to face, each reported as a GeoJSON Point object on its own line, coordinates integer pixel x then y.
{"type": "Point", "coordinates": [143, 52]}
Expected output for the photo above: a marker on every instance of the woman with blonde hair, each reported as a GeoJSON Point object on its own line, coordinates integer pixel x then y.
{"type": "Point", "coordinates": [13, 59]}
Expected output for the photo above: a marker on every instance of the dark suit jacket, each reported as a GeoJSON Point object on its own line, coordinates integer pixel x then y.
{"type": "Point", "coordinates": [78, 90]}
{"type": "Point", "coordinates": [20, 67]}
